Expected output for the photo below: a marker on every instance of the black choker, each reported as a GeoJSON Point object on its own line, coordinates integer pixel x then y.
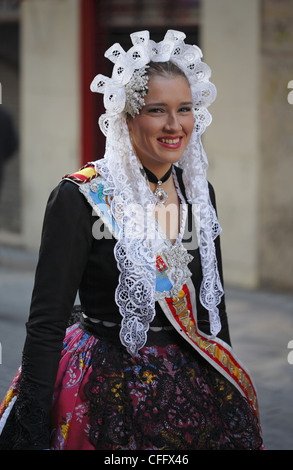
{"type": "Point", "coordinates": [160, 194]}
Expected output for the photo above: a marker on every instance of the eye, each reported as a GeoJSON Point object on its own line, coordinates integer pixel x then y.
{"type": "Point", "coordinates": [156, 110]}
{"type": "Point", "coordinates": [185, 109]}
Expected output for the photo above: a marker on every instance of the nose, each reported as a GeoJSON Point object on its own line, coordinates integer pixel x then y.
{"type": "Point", "coordinates": [172, 123]}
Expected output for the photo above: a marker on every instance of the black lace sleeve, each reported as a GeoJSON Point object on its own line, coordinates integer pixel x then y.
{"type": "Point", "coordinates": [66, 242]}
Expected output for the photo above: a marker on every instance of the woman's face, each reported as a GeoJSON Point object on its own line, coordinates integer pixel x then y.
{"type": "Point", "coordinates": [162, 130]}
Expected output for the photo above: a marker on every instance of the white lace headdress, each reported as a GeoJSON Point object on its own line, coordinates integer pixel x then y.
{"type": "Point", "coordinates": [123, 178]}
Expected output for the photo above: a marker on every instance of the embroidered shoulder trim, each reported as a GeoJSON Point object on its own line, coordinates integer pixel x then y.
{"type": "Point", "coordinates": [84, 175]}
{"type": "Point", "coordinates": [100, 200]}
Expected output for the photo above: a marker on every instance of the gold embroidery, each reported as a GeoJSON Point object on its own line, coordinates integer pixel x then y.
{"type": "Point", "coordinates": [226, 360]}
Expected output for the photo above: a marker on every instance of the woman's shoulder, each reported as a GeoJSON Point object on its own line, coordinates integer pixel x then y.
{"type": "Point", "coordinates": [84, 175]}
{"type": "Point", "coordinates": [66, 193]}
{"type": "Point", "coordinates": [212, 194]}
{"type": "Point", "coordinates": [179, 173]}
{"type": "Point", "coordinates": [70, 183]}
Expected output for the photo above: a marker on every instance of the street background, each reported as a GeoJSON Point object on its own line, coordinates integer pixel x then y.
{"type": "Point", "coordinates": [261, 326]}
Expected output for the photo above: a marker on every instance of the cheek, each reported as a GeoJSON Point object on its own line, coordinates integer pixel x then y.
{"type": "Point", "coordinates": [189, 126]}
{"type": "Point", "coordinates": [138, 138]}
{"type": "Point", "coordinates": [142, 135]}
{"type": "Point", "coordinates": [191, 122]}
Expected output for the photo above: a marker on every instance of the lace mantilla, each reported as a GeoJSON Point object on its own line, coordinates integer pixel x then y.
{"type": "Point", "coordinates": [134, 294]}
{"type": "Point", "coordinates": [122, 175]}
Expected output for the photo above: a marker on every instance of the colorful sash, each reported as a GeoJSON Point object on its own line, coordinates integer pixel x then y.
{"type": "Point", "coordinates": [180, 312]}
{"type": "Point", "coordinates": [179, 308]}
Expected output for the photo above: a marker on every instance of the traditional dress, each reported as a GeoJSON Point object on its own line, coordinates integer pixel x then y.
{"type": "Point", "coordinates": [79, 388]}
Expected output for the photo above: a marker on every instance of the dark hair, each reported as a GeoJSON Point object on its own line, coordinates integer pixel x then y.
{"type": "Point", "coordinates": [164, 69]}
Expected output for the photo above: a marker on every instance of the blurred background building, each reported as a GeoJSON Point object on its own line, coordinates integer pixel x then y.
{"type": "Point", "coordinates": [50, 50]}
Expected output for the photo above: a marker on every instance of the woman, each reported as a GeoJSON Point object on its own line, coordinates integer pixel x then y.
{"type": "Point", "coordinates": [148, 365]}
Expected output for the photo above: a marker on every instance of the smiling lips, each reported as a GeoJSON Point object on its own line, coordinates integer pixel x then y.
{"type": "Point", "coordinates": [172, 143]}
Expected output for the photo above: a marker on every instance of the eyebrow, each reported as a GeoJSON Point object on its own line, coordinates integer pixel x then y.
{"type": "Point", "coordinates": [184, 103]}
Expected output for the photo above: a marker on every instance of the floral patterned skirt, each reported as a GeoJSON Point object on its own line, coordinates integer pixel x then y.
{"type": "Point", "coordinates": [166, 398]}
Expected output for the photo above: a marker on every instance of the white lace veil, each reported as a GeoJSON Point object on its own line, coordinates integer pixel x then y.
{"type": "Point", "coordinates": [123, 178]}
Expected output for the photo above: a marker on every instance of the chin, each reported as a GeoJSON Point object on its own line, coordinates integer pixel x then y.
{"type": "Point", "coordinates": [172, 157]}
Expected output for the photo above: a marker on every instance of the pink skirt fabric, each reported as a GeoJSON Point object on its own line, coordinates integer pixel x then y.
{"type": "Point", "coordinates": [70, 411]}
{"type": "Point", "coordinates": [167, 398]}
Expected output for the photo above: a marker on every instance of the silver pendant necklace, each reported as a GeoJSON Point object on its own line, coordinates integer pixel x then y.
{"type": "Point", "coordinates": [159, 193]}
